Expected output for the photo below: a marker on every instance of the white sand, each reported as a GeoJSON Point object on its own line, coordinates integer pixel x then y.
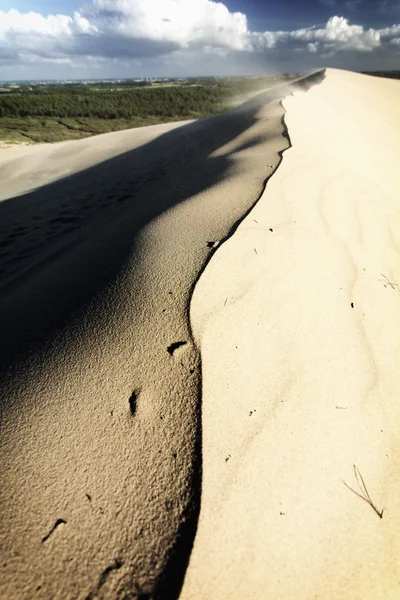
{"type": "Point", "coordinates": [98, 270]}
{"type": "Point", "coordinates": [298, 385]}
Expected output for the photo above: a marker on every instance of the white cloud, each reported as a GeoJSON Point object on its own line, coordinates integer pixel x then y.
{"type": "Point", "coordinates": [131, 30]}
{"type": "Point", "coordinates": [340, 35]}
{"type": "Point", "coordinates": [14, 23]}
{"type": "Point", "coordinates": [183, 22]}
{"type": "Point", "coordinates": [337, 35]}
{"type": "Point", "coordinates": [313, 48]}
{"type": "Point", "coordinates": [389, 32]}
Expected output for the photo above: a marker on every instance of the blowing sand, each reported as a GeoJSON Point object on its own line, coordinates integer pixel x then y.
{"type": "Point", "coordinates": [117, 412]}
{"type": "Point", "coordinates": [100, 449]}
{"type": "Point", "coordinates": [297, 317]}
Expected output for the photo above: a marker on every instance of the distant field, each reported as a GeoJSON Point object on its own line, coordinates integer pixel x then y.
{"type": "Point", "coordinates": [52, 113]}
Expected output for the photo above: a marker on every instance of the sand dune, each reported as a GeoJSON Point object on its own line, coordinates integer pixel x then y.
{"type": "Point", "coordinates": [120, 408]}
{"type": "Point", "coordinates": [100, 378]}
{"type": "Point", "coordinates": [27, 167]}
{"type": "Point", "coordinates": [297, 319]}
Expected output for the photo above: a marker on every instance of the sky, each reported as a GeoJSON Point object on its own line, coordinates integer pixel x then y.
{"type": "Point", "coordinates": [72, 39]}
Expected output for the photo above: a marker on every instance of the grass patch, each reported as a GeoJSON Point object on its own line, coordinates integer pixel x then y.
{"type": "Point", "coordinates": [50, 130]}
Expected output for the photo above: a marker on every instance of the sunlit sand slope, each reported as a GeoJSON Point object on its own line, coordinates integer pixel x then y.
{"type": "Point", "coordinates": [100, 448]}
{"type": "Point", "coordinates": [298, 319]}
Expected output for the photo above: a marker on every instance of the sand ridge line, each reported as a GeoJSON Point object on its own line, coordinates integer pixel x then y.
{"type": "Point", "coordinates": [302, 83]}
{"type": "Point", "coordinates": [303, 333]}
{"type": "Point", "coordinates": [94, 405]}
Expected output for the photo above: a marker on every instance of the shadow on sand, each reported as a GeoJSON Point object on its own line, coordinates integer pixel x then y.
{"type": "Point", "coordinates": [46, 251]}
{"type": "Point", "coordinates": [60, 246]}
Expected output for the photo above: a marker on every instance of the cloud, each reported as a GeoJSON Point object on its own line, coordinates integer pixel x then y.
{"type": "Point", "coordinates": [185, 23]}
{"type": "Point", "coordinates": [313, 48]}
{"type": "Point", "coordinates": [389, 32]}
{"type": "Point", "coordinates": [134, 30]}
{"type": "Point", "coordinates": [125, 28]}
{"type": "Point", "coordinates": [337, 35]}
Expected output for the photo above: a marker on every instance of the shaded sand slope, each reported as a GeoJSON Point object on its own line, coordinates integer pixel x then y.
{"type": "Point", "coordinates": [100, 444]}
{"type": "Point", "coordinates": [298, 319]}
{"type": "Point", "coordinates": [23, 168]}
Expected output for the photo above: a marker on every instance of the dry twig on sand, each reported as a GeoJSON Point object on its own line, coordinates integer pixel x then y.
{"type": "Point", "coordinates": [389, 283]}
{"type": "Point", "coordinates": [364, 492]}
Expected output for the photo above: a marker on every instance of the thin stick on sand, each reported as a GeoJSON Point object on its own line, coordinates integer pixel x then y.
{"type": "Point", "coordinates": [390, 283]}
{"type": "Point", "coordinates": [364, 492]}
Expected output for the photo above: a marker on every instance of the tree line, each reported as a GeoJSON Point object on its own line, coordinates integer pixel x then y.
{"type": "Point", "coordinates": [116, 104]}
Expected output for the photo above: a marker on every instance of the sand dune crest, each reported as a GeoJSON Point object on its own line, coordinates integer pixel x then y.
{"type": "Point", "coordinates": [298, 329]}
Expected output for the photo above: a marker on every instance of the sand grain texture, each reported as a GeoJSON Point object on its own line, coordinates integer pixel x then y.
{"type": "Point", "coordinates": [298, 329]}
{"type": "Point", "coordinates": [100, 451]}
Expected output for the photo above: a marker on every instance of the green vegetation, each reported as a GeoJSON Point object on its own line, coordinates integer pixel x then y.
{"type": "Point", "coordinates": [386, 74]}
{"type": "Point", "coordinates": [51, 113]}
{"type": "Point", "coordinates": [32, 130]}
